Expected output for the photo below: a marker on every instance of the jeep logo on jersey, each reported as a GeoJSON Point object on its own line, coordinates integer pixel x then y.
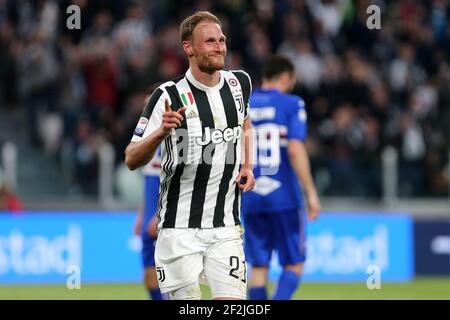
{"type": "Point", "coordinates": [217, 136]}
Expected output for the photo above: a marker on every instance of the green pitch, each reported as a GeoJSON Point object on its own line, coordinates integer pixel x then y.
{"type": "Point", "coordinates": [420, 288]}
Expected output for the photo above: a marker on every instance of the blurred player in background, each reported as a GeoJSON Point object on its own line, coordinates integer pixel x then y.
{"type": "Point", "coordinates": [199, 119]}
{"type": "Point", "coordinates": [274, 212]}
{"type": "Point", "coordinates": [145, 226]}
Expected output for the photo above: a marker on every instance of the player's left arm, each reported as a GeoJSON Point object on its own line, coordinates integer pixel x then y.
{"type": "Point", "coordinates": [298, 156]}
{"type": "Point", "coordinates": [245, 179]}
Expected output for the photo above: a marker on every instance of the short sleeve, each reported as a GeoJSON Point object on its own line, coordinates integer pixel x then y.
{"type": "Point", "coordinates": [151, 117]}
{"type": "Point", "coordinates": [297, 124]}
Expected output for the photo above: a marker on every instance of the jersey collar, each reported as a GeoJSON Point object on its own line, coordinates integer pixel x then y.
{"type": "Point", "coordinates": [201, 86]}
{"type": "Point", "coordinates": [268, 90]}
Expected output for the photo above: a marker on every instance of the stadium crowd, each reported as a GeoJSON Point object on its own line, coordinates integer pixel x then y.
{"type": "Point", "coordinates": [364, 89]}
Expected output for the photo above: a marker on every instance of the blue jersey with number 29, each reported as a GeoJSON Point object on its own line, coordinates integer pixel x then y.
{"type": "Point", "coordinates": [277, 118]}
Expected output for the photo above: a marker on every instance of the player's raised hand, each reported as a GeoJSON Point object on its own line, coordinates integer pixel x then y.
{"type": "Point", "coordinates": [171, 119]}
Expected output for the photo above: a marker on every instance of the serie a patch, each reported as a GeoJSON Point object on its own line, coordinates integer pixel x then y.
{"type": "Point", "coordinates": [302, 115]}
{"type": "Point", "coordinates": [140, 128]}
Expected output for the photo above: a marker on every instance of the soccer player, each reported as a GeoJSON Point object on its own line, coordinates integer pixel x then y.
{"type": "Point", "coordinates": [274, 217]}
{"type": "Point", "coordinates": [199, 120]}
{"type": "Point", "coordinates": [145, 226]}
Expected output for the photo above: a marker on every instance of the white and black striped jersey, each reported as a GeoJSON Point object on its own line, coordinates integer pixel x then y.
{"type": "Point", "coordinates": [201, 159]}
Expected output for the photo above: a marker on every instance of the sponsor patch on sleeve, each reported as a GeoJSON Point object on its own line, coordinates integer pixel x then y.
{"type": "Point", "coordinates": [302, 115]}
{"type": "Point", "coordinates": [140, 128]}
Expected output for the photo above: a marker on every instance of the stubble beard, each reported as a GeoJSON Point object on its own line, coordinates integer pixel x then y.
{"type": "Point", "coordinates": [211, 65]}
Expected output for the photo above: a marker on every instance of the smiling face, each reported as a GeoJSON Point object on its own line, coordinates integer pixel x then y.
{"type": "Point", "coordinates": [206, 48]}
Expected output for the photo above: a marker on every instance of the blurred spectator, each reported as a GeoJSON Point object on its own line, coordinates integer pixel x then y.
{"type": "Point", "coordinates": [73, 86]}
{"type": "Point", "coordinates": [132, 34]}
{"type": "Point", "coordinates": [82, 152]}
{"type": "Point", "coordinates": [8, 200]}
{"type": "Point", "coordinates": [38, 69]}
{"type": "Point", "coordinates": [404, 72]}
{"type": "Point", "coordinates": [329, 13]}
{"type": "Point", "coordinates": [100, 72]}
{"type": "Point", "coordinates": [7, 64]}
{"type": "Point", "coordinates": [120, 133]}
{"type": "Point", "coordinates": [307, 64]}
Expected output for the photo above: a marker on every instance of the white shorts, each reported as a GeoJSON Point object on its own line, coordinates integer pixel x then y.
{"type": "Point", "coordinates": [182, 256]}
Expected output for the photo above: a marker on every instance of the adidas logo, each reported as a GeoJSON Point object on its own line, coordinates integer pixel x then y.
{"type": "Point", "coordinates": [191, 114]}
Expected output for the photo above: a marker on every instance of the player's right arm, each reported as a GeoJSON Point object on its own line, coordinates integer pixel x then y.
{"type": "Point", "coordinates": [152, 131]}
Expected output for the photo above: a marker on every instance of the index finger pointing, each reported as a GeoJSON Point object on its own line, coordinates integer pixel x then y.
{"type": "Point", "coordinates": [167, 105]}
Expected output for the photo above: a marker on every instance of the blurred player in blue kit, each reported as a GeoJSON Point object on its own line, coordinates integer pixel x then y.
{"type": "Point", "coordinates": [145, 226]}
{"type": "Point", "coordinates": [274, 212]}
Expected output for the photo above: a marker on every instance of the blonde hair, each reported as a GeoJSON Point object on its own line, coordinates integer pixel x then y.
{"type": "Point", "coordinates": [188, 25]}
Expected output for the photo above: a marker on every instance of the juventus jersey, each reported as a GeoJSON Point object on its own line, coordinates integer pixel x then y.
{"type": "Point", "coordinates": [201, 159]}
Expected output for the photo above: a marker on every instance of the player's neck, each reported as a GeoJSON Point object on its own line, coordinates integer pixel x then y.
{"type": "Point", "coordinates": [206, 78]}
{"type": "Point", "coordinates": [273, 85]}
